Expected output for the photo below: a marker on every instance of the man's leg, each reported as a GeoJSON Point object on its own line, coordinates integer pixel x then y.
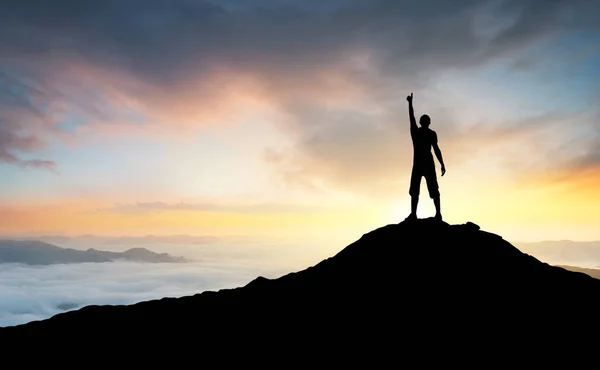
{"type": "Point", "coordinates": [414, 202]}
{"type": "Point", "coordinates": [415, 187]}
{"type": "Point", "coordinates": [434, 193]}
{"type": "Point", "coordinates": [438, 212]}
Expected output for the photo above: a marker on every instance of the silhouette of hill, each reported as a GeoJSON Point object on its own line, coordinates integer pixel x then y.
{"type": "Point", "coordinates": [33, 252]}
{"type": "Point", "coordinates": [418, 289]}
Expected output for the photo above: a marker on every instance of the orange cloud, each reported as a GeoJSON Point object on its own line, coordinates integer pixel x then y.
{"type": "Point", "coordinates": [117, 101]}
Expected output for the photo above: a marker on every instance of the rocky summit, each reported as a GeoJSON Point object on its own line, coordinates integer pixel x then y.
{"type": "Point", "coordinates": [416, 286]}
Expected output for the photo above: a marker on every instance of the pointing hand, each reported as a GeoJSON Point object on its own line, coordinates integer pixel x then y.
{"type": "Point", "coordinates": [443, 170]}
{"type": "Point", "coordinates": [410, 97]}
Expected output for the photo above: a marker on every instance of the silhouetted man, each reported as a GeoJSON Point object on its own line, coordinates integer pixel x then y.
{"type": "Point", "coordinates": [423, 139]}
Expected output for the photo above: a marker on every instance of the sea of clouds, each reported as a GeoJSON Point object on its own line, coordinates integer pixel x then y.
{"type": "Point", "coordinates": [29, 293]}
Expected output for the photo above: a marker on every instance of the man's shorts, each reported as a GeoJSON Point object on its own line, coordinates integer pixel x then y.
{"type": "Point", "coordinates": [430, 178]}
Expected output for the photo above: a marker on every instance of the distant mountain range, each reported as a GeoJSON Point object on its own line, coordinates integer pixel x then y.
{"type": "Point", "coordinates": [565, 252]}
{"type": "Point", "coordinates": [32, 252]}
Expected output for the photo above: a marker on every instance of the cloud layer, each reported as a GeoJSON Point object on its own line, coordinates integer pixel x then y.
{"type": "Point", "coordinates": [32, 293]}
{"type": "Point", "coordinates": [37, 292]}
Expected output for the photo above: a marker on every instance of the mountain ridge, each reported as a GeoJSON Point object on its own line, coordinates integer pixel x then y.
{"type": "Point", "coordinates": [34, 252]}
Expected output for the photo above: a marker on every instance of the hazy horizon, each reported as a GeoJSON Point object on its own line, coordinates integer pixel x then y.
{"type": "Point", "coordinates": [166, 237]}
{"type": "Point", "coordinates": [198, 247]}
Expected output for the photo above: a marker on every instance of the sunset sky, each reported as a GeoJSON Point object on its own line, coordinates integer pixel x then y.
{"type": "Point", "coordinates": [288, 119]}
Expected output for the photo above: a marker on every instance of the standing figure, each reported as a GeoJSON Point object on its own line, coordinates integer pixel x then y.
{"type": "Point", "coordinates": [423, 139]}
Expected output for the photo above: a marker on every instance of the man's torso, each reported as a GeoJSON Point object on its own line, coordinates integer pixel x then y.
{"type": "Point", "coordinates": [423, 140]}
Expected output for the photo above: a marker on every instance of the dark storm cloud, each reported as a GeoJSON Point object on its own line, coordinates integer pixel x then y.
{"type": "Point", "coordinates": [285, 45]}
{"type": "Point", "coordinates": [163, 40]}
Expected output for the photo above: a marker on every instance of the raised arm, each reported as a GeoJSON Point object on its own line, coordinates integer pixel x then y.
{"type": "Point", "coordinates": [411, 115]}
{"type": "Point", "coordinates": [438, 153]}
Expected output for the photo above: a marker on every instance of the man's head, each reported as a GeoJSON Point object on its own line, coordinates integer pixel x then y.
{"type": "Point", "coordinates": [425, 121]}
